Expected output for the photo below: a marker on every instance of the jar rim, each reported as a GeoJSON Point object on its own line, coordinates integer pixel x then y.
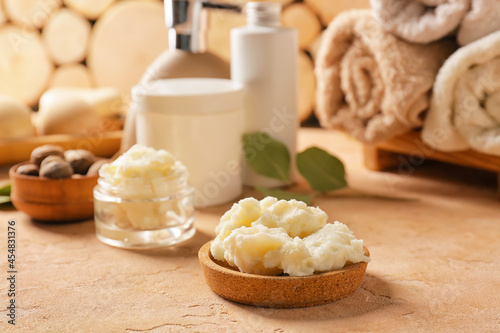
{"type": "Point", "coordinates": [140, 187]}
{"type": "Point", "coordinates": [188, 96]}
{"type": "Point", "coordinates": [101, 194]}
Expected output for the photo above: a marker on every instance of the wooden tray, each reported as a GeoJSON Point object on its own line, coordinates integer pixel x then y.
{"type": "Point", "coordinates": [388, 154]}
{"type": "Point", "coordinates": [103, 144]}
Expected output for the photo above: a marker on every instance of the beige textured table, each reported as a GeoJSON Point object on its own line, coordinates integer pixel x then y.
{"type": "Point", "coordinates": [435, 267]}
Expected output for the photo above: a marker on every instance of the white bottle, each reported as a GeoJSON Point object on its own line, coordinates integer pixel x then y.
{"type": "Point", "coordinates": [264, 60]}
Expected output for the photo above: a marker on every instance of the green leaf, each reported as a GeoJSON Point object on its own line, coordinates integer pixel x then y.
{"type": "Point", "coordinates": [285, 195]}
{"type": "Point", "coordinates": [5, 190]}
{"type": "Point", "coordinates": [322, 171]}
{"type": "Point", "coordinates": [267, 156]}
{"type": "Point", "coordinates": [4, 199]}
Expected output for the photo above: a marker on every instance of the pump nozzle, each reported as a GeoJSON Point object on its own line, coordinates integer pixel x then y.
{"type": "Point", "coordinates": [187, 24]}
{"type": "Point", "coordinates": [224, 6]}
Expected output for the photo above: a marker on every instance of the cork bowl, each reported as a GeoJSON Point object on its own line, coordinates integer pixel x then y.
{"type": "Point", "coordinates": [54, 200]}
{"type": "Point", "coordinates": [279, 291]}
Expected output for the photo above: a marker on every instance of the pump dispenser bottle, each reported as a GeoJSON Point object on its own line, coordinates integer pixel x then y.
{"type": "Point", "coordinates": [186, 57]}
{"type": "Point", "coordinates": [264, 60]}
{"type": "Point", "coordinates": [186, 21]}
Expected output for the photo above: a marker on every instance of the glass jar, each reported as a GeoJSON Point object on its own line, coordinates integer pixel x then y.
{"type": "Point", "coordinates": [144, 213]}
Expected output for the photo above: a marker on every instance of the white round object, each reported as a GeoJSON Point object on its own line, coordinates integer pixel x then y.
{"type": "Point", "coordinates": [66, 36]}
{"type": "Point", "coordinates": [107, 101]}
{"type": "Point", "coordinates": [24, 65]}
{"type": "Point", "coordinates": [302, 18]}
{"type": "Point", "coordinates": [15, 119]}
{"type": "Point", "coordinates": [71, 75]}
{"type": "Point", "coordinates": [66, 115]}
{"type": "Point", "coordinates": [328, 9]}
{"type": "Point", "coordinates": [125, 41]}
{"type": "Point", "coordinates": [91, 9]}
{"type": "Point", "coordinates": [307, 86]}
{"type": "Point", "coordinates": [3, 18]}
{"type": "Point", "coordinates": [30, 13]}
{"type": "Point", "coordinates": [220, 22]}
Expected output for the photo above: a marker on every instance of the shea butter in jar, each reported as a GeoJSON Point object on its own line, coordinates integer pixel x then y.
{"type": "Point", "coordinates": [143, 200]}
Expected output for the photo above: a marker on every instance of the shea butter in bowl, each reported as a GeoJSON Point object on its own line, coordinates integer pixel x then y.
{"type": "Point", "coordinates": [282, 254]}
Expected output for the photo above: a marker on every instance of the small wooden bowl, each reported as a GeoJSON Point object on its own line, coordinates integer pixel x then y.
{"type": "Point", "coordinates": [56, 200]}
{"type": "Point", "coordinates": [280, 291]}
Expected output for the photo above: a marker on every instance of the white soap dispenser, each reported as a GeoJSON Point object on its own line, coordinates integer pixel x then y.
{"type": "Point", "coordinates": [264, 59]}
{"type": "Point", "coordinates": [186, 57]}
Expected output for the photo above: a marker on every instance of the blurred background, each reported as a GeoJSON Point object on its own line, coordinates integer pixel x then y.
{"type": "Point", "coordinates": [110, 43]}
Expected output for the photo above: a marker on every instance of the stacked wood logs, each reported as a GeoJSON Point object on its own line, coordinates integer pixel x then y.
{"type": "Point", "coordinates": [95, 43]}
{"type": "Point", "coordinates": [77, 43]}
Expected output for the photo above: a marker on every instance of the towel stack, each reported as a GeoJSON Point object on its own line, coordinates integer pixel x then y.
{"type": "Point", "coordinates": [383, 72]}
{"type": "Point", "coordinates": [425, 21]}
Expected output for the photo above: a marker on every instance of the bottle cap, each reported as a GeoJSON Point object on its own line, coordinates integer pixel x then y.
{"type": "Point", "coordinates": [263, 13]}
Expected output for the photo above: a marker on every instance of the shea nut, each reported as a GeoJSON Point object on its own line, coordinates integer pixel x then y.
{"type": "Point", "coordinates": [94, 168]}
{"type": "Point", "coordinates": [40, 153]}
{"type": "Point", "coordinates": [56, 169]}
{"type": "Point", "coordinates": [28, 170]}
{"type": "Point", "coordinates": [79, 159]}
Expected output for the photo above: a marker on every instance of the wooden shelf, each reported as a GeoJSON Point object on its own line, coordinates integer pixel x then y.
{"type": "Point", "coordinates": [388, 154]}
{"type": "Point", "coordinates": [100, 143]}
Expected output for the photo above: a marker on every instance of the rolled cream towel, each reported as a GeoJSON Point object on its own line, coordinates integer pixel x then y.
{"type": "Point", "coordinates": [425, 21]}
{"type": "Point", "coordinates": [465, 107]}
{"type": "Point", "coordinates": [370, 83]}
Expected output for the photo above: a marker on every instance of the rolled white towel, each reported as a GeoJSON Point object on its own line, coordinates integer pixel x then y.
{"type": "Point", "coordinates": [465, 107]}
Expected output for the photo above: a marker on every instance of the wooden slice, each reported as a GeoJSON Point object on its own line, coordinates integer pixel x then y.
{"type": "Point", "coordinates": [124, 41]}
{"type": "Point", "coordinates": [314, 47]}
{"type": "Point", "coordinates": [328, 9]}
{"type": "Point", "coordinates": [218, 35]}
{"type": "Point", "coordinates": [30, 13]}
{"type": "Point", "coordinates": [66, 36]}
{"type": "Point", "coordinates": [243, 2]}
{"type": "Point", "coordinates": [25, 67]}
{"type": "Point", "coordinates": [91, 9]}
{"type": "Point", "coordinates": [307, 86]}
{"type": "Point", "coordinates": [302, 18]}
{"type": "Point", "coordinates": [15, 119]}
{"type": "Point", "coordinates": [71, 75]}
{"type": "Point", "coordinates": [3, 18]}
